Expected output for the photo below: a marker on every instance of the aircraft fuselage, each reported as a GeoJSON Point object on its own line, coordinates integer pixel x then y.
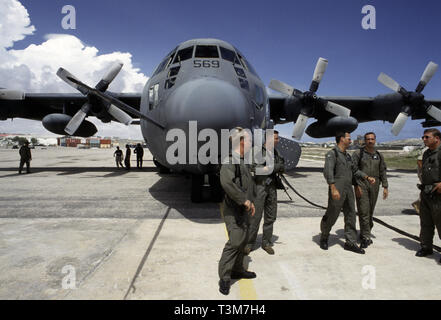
{"type": "Point", "coordinates": [202, 80]}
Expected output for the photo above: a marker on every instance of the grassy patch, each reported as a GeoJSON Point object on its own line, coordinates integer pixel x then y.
{"type": "Point", "coordinates": [401, 162]}
{"type": "Point", "coordinates": [394, 160]}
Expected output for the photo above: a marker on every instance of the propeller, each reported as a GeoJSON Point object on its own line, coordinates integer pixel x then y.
{"type": "Point", "coordinates": [413, 101]}
{"type": "Point", "coordinates": [310, 101]}
{"type": "Point", "coordinates": [101, 87]}
{"type": "Point", "coordinates": [114, 106]}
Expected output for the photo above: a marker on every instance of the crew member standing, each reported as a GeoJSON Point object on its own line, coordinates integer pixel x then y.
{"type": "Point", "coordinates": [430, 208]}
{"type": "Point", "coordinates": [370, 161]}
{"type": "Point", "coordinates": [266, 195]}
{"type": "Point", "coordinates": [139, 150]}
{"type": "Point", "coordinates": [118, 154]}
{"type": "Point", "coordinates": [25, 157]}
{"type": "Point", "coordinates": [339, 170]}
{"type": "Point", "coordinates": [239, 187]}
{"type": "Point", "coordinates": [127, 158]}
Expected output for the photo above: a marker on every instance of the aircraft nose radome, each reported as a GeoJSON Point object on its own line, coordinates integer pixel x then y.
{"type": "Point", "coordinates": [213, 103]}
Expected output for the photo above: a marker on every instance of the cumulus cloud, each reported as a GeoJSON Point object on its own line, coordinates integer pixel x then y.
{"type": "Point", "coordinates": [14, 23]}
{"type": "Point", "coordinates": [34, 68]}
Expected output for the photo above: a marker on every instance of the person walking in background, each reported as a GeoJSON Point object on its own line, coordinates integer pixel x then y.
{"type": "Point", "coordinates": [127, 158]}
{"type": "Point", "coordinates": [25, 157]}
{"type": "Point", "coordinates": [118, 155]}
{"type": "Point", "coordinates": [139, 150]}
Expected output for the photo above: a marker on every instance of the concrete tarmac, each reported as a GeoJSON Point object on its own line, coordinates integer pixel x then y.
{"type": "Point", "coordinates": [79, 228]}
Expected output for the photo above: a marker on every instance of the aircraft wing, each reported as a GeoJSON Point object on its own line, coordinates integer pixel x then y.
{"type": "Point", "coordinates": [344, 113]}
{"type": "Point", "coordinates": [364, 109]}
{"type": "Point", "coordinates": [36, 106]}
{"type": "Point", "coordinates": [387, 107]}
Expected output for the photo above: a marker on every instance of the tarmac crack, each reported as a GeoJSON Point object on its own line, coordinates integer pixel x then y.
{"type": "Point", "coordinates": [146, 254]}
{"type": "Point", "coordinates": [98, 263]}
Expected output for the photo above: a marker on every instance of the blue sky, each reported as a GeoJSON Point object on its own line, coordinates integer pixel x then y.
{"type": "Point", "coordinates": [282, 39]}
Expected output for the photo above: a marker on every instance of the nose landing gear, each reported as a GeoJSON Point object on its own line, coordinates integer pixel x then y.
{"type": "Point", "coordinates": [206, 188]}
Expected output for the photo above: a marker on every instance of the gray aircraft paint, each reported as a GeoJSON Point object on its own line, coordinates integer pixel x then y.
{"type": "Point", "coordinates": [210, 95]}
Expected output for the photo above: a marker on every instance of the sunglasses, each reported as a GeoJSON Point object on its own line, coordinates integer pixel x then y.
{"type": "Point", "coordinates": [425, 137]}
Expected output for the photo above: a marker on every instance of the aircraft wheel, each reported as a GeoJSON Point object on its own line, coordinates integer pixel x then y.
{"type": "Point", "coordinates": [196, 188]}
{"type": "Point", "coordinates": [217, 192]}
{"type": "Point", "coordinates": [162, 169]}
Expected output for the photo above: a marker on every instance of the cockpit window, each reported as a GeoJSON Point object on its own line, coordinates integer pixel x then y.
{"type": "Point", "coordinates": [250, 67]}
{"type": "Point", "coordinates": [229, 55]}
{"type": "Point", "coordinates": [206, 52]}
{"type": "Point", "coordinates": [183, 54]}
{"type": "Point", "coordinates": [165, 62]}
{"type": "Point", "coordinates": [246, 63]}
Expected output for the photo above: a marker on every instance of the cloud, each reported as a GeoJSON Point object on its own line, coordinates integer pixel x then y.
{"type": "Point", "coordinates": [34, 68]}
{"type": "Point", "coordinates": [15, 23]}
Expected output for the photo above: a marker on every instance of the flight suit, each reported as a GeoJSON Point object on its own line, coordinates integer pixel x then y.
{"type": "Point", "coordinates": [339, 170]}
{"type": "Point", "coordinates": [25, 157]}
{"type": "Point", "coordinates": [374, 166]}
{"type": "Point", "coordinates": [238, 187]}
{"type": "Point", "coordinates": [430, 212]}
{"type": "Point", "coordinates": [266, 201]}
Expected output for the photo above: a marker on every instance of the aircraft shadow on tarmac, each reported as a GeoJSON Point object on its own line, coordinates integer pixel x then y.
{"type": "Point", "coordinates": [173, 190]}
{"type": "Point", "coordinates": [112, 171]}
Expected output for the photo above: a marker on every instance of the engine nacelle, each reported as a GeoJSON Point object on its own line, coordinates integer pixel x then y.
{"type": "Point", "coordinates": [56, 122]}
{"type": "Point", "coordinates": [332, 126]}
{"type": "Point", "coordinates": [6, 94]}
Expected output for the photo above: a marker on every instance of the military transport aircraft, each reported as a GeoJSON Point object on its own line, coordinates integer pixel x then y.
{"type": "Point", "coordinates": [211, 82]}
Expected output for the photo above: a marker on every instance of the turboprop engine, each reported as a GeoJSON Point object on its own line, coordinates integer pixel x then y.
{"type": "Point", "coordinates": [322, 129]}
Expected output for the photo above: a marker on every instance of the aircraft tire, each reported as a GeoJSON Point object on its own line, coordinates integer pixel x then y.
{"type": "Point", "coordinates": [161, 168]}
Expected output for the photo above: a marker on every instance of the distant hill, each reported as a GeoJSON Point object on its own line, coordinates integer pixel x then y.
{"type": "Point", "coordinates": [405, 142]}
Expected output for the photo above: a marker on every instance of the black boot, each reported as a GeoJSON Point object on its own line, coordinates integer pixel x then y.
{"type": "Point", "coordinates": [354, 248]}
{"type": "Point", "coordinates": [365, 243]}
{"type": "Point", "coordinates": [224, 287]}
{"type": "Point", "coordinates": [324, 244]}
{"type": "Point", "coordinates": [423, 252]}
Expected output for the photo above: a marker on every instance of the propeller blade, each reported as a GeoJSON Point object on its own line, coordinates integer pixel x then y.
{"type": "Point", "coordinates": [389, 82]}
{"type": "Point", "coordinates": [108, 78]}
{"type": "Point", "coordinates": [77, 119]}
{"type": "Point", "coordinates": [71, 80]}
{"type": "Point", "coordinates": [337, 109]}
{"type": "Point", "coordinates": [429, 72]}
{"type": "Point", "coordinates": [320, 69]}
{"type": "Point", "coordinates": [434, 112]}
{"type": "Point", "coordinates": [299, 126]}
{"type": "Point", "coordinates": [283, 88]}
{"type": "Point", "coordinates": [125, 107]}
{"type": "Point", "coordinates": [83, 88]}
{"type": "Point", "coordinates": [399, 123]}
{"type": "Point", "coordinates": [120, 115]}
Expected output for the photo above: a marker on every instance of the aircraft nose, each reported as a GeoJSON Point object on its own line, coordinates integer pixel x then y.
{"type": "Point", "coordinates": [213, 103]}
